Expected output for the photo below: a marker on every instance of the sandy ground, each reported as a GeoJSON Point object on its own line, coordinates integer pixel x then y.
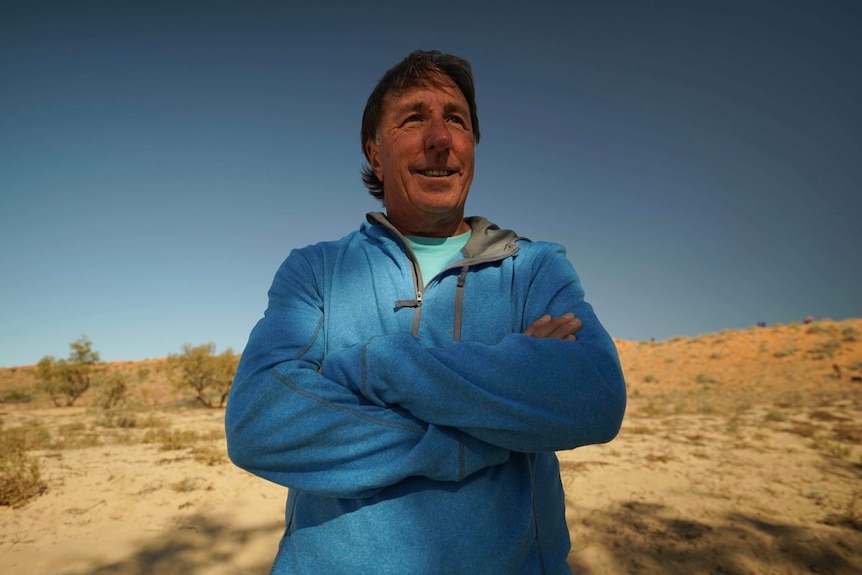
{"type": "Point", "coordinates": [140, 509]}
{"type": "Point", "coordinates": [728, 466]}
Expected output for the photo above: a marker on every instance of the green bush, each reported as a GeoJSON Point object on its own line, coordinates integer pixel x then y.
{"type": "Point", "coordinates": [66, 380]}
{"type": "Point", "coordinates": [207, 374]}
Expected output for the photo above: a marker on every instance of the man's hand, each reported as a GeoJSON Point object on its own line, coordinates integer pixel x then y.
{"type": "Point", "coordinates": [562, 327]}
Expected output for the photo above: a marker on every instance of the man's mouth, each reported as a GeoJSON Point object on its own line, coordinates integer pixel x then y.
{"type": "Point", "coordinates": [436, 173]}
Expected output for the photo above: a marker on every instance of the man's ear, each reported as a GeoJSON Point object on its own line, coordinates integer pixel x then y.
{"type": "Point", "coordinates": [372, 152]}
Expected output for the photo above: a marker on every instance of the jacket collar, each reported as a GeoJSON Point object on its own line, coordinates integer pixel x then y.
{"type": "Point", "coordinates": [487, 240]}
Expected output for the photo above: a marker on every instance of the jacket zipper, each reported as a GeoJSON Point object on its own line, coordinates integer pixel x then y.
{"type": "Point", "coordinates": [418, 286]}
{"type": "Point", "coordinates": [416, 304]}
{"type": "Point", "coordinates": [459, 303]}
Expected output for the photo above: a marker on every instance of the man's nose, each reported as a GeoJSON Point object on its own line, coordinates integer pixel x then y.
{"type": "Point", "coordinates": [438, 137]}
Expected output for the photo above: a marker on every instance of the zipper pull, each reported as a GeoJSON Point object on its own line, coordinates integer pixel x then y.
{"type": "Point", "coordinates": [410, 302]}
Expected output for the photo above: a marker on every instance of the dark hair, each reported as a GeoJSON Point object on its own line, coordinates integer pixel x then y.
{"type": "Point", "coordinates": [416, 69]}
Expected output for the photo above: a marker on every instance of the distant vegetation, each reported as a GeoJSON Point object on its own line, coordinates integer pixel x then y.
{"type": "Point", "coordinates": [197, 372]}
{"type": "Point", "coordinates": [66, 380]}
{"type": "Point", "coordinates": [713, 374]}
{"type": "Point", "coordinates": [209, 375]}
{"type": "Point", "coordinates": [117, 393]}
{"type": "Point", "coordinates": [20, 474]}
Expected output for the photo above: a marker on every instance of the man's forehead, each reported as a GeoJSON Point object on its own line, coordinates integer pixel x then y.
{"type": "Point", "coordinates": [416, 96]}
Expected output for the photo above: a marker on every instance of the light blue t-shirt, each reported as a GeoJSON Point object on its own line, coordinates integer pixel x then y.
{"type": "Point", "coordinates": [435, 253]}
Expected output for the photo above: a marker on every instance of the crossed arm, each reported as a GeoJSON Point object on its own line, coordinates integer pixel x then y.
{"type": "Point", "coordinates": [305, 421]}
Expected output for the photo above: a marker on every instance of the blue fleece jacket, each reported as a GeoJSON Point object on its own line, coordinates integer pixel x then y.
{"type": "Point", "coordinates": [414, 424]}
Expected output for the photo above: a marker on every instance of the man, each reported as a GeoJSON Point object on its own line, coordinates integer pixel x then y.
{"type": "Point", "coordinates": [410, 382]}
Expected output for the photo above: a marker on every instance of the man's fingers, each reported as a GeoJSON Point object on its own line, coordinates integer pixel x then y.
{"type": "Point", "coordinates": [565, 326]}
{"type": "Point", "coordinates": [537, 325]}
{"type": "Point", "coordinates": [562, 327]}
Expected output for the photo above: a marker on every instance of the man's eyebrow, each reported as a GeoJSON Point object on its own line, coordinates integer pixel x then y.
{"type": "Point", "coordinates": [419, 106]}
{"type": "Point", "coordinates": [414, 106]}
{"type": "Point", "coordinates": [455, 107]}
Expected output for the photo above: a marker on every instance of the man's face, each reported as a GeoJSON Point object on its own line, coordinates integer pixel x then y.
{"type": "Point", "coordinates": [424, 157]}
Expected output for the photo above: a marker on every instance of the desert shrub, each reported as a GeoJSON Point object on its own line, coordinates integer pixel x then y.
{"type": "Point", "coordinates": [650, 378]}
{"type": "Point", "coordinates": [704, 378]}
{"type": "Point", "coordinates": [653, 408]}
{"type": "Point", "coordinates": [703, 406]}
{"type": "Point", "coordinates": [850, 334]}
{"type": "Point", "coordinates": [734, 425]}
{"type": "Point", "coordinates": [216, 434]}
{"type": "Point", "coordinates": [777, 415]}
{"type": "Point", "coordinates": [111, 391]}
{"type": "Point", "coordinates": [75, 436]}
{"type": "Point", "coordinates": [78, 441]}
{"type": "Point", "coordinates": [833, 448]}
{"type": "Point", "coordinates": [682, 406]}
{"type": "Point", "coordinates": [185, 485]}
{"type": "Point", "coordinates": [30, 435]}
{"type": "Point", "coordinates": [825, 350]}
{"type": "Point", "coordinates": [819, 328]}
{"type": "Point", "coordinates": [171, 440]}
{"type": "Point", "coordinates": [784, 352]}
{"type": "Point", "coordinates": [153, 421]}
{"type": "Point", "coordinates": [825, 415]}
{"type": "Point", "coordinates": [805, 429]}
{"type": "Point", "coordinates": [207, 374]}
{"type": "Point", "coordinates": [115, 418]}
{"type": "Point", "coordinates": [208, 454]}
{"type": "Point", "coordinates": [793, 399]}
{"type": "Point", "coordinates": [66, 380]}
{"type": "Point", "coordinates": [658, 457]}
{"type": "Point", "coordinates": [20, 474]}
{"type": "Point", "coordinates": [20, 477]}
{"type": "Point", "coordinates": [16, 396]}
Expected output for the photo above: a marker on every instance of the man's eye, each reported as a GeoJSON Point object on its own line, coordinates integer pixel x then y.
{"type": "Point", "coordinates": [457, 120]}
{"type": "Point", "coordinates": [413, 118]}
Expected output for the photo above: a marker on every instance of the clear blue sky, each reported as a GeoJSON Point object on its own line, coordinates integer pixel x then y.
{"type": "Point", "coordinates": [701, 161]}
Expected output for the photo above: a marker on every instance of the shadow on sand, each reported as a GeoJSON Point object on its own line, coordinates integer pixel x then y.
{"type": "Point", "coordinates": [647, 538]}
{"type": "Point", "coordinates": [199, 546]}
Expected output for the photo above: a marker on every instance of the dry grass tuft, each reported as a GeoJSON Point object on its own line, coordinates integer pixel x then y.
{"type": "Point", "coordinates": [171, 440]}
{"type": "Point", "coordinates": [20, 473]}
{"type": "Point", "coordinates": [188, 484]}
{"type": "Point", "coordinates": [209, 454]}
